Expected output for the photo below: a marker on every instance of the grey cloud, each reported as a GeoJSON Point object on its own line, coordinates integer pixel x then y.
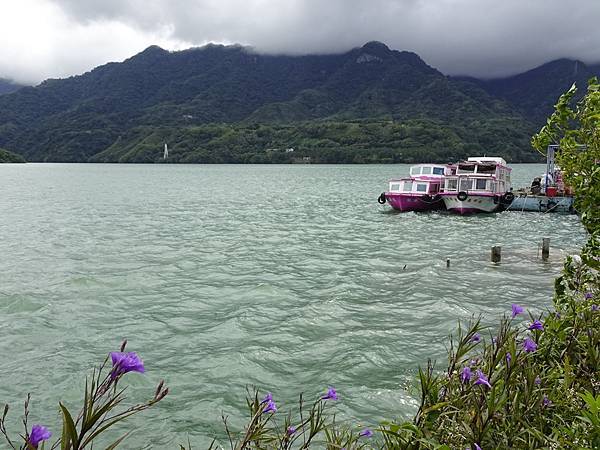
{"type": "Point", "coordinates": [476, 37]}
{"type": "Point", "coordinates": [482, 38]}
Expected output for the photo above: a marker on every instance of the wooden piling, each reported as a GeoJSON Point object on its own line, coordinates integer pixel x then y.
{"type": "Point", "coordinates": [496, 253]}
{"type": "Point", "coordinates": [447, 263]}
{"type": "Point", "coordinates": [545, 249]}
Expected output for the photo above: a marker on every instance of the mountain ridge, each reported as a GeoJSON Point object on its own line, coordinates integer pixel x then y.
{"type": "Point", "coordinates": [101, 114]}
{"type": "Point", "coordinates": [535, 91]}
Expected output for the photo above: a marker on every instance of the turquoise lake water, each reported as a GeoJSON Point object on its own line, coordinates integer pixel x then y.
{"type": "Point", "coordinates": [289, 278]}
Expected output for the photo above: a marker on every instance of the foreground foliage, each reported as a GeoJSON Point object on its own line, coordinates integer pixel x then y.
{"type": "Point", "coordinates": [102, 409]}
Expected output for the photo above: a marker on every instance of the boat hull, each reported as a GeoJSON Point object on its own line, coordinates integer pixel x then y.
{"type": "Point", "coordinates": [407, 202]}
{"type": "Point", "coordinates": [472, 204]}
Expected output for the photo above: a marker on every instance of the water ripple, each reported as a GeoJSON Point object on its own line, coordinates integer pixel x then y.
{"type": "Point", "coordinates": [291, 278]}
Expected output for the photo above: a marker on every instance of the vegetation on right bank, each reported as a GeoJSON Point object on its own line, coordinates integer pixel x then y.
{"type": "Point", "coordinates": [534, 383]}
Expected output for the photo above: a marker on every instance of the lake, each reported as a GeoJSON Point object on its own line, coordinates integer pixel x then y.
{"type": "Point", "coordinates": [291, 278]}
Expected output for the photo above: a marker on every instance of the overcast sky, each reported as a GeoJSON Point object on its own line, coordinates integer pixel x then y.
{"type": "Point", "coordinates": [42, 39]}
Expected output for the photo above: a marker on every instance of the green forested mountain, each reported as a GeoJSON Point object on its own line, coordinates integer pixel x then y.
{"type": "Point", "coordinates": [535, 92]}
{"type": "Point", "coordinates": [228, 104]}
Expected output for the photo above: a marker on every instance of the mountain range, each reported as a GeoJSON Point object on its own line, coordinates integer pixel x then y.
{"type": "Point", "coordinates": [228, 104]}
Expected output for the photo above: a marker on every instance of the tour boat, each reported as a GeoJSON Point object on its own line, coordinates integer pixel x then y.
{"type": "Point", "coordinates": [480, 184]}
{"type": "Point", "coordinates": [419, 191]}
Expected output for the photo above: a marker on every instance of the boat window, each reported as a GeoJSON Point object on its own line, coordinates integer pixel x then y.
{"type": "Point", "coordinates": [480, 184]}
{"type": "Point", "coordinates": [486, 168]}
{"type": "Point", "coordinates": [426, 170]}
{"type": "Point", "coordinates": [434, 188]}
{"type": "Point", "coordinates": [451, 185]}
{"type": "Point", "coordinates": [395, 187]}
{"type": "Point", "coordinates": [407, 186]}
{"type": "Point", "coordinates": [421, 187]}
{"type": "Point", "coordinates": [438, 171]}
{"type": "Point", "coordinates": [466, 168]}
{"type": "Point", "coordinates": [465, 184]}
{"type": "Point", "coordinates": [415, 170]}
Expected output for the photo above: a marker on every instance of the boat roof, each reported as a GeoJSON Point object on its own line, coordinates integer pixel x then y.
{"type": "Point", "coordinates": [487, 159]}
{"type": "Point", "coordinates": [430, 165]}
{"type": "Point", "coordinates": [418, 179]}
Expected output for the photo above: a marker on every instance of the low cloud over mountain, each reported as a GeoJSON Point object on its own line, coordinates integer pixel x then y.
{"type": "Point", "coordinates": [483, 38]}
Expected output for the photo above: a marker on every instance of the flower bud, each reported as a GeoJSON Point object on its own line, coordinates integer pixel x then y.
{"type": "Point", "coordinates": [159, 388]}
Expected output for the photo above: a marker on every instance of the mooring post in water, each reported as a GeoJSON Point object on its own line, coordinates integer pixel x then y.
{"type": "Point", "coordinates": [545, 248]}
{"type": "Point", "coordinates": [447, 263]}
{"type": "Point", "coordinates": [496, 253]}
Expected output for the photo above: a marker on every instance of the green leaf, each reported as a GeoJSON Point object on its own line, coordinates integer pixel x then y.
{"type": "Point", "coordinates": [69, 429]}
{"type": "Point", "coordinates": [110, 404]}
{"type": "Point", "coordinates": [435, 407]}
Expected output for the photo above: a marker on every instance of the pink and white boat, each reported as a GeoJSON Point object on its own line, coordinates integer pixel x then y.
{"type": "Point", "coordinates": [480, 184]}
{"type": "Point", "coordinates": [419, 191]}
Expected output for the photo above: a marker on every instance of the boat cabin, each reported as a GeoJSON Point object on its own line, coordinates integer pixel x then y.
{"type": "Point", "coordinates": [428, 170]}
{"type": "Point", "coordinates": [414, 186]}
{"type": "Point", "coordinates": [483, 175]}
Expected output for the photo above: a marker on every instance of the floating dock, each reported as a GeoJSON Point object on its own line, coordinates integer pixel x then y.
{"type": "Point", "coordinates": [542, 203]}
{"type": "Point", "coordinates": [551, 195]}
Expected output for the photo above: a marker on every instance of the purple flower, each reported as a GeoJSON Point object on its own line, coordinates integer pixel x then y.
{"type": "Point", "coordinates": [516, 310]}
{"type": "Point", "coordinates": [536, 325]}
{"type": "Point", "coordinates": [477, 447]}
{"type": "Point", "coordinates": [270, 406]}
{"type": "Point", "coordinates": [546, 401]}
{"type": "Point", "coordinates": [537, 380]}
{"type": "Point", "coordinates": [291, 430]}
{"type": "Point", "coordinates": [366, 433]}
{"type": "Point", "coordinates": [482, 379]}
{"type": "Point", "coordinates": [331, 394]}
{"type": "Point", "coordinates": [476, 338]}
{"type": "Point", "coordinates": [529, 345]}
{"type": "Point", "coordinates": [589, 295]}
{"type": "Point", "coordinates": [595, 308]}
{"type": "Point", "coordinates": [268, 398]}
{"type": "Point", "coordinates": [508, 358]}
{"type": "Point", "coordinates": [38, 434]}
{"type": "Point", "coordinates": [125, 362]}
{"type": "Point", "coordinates": [465, 375]}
